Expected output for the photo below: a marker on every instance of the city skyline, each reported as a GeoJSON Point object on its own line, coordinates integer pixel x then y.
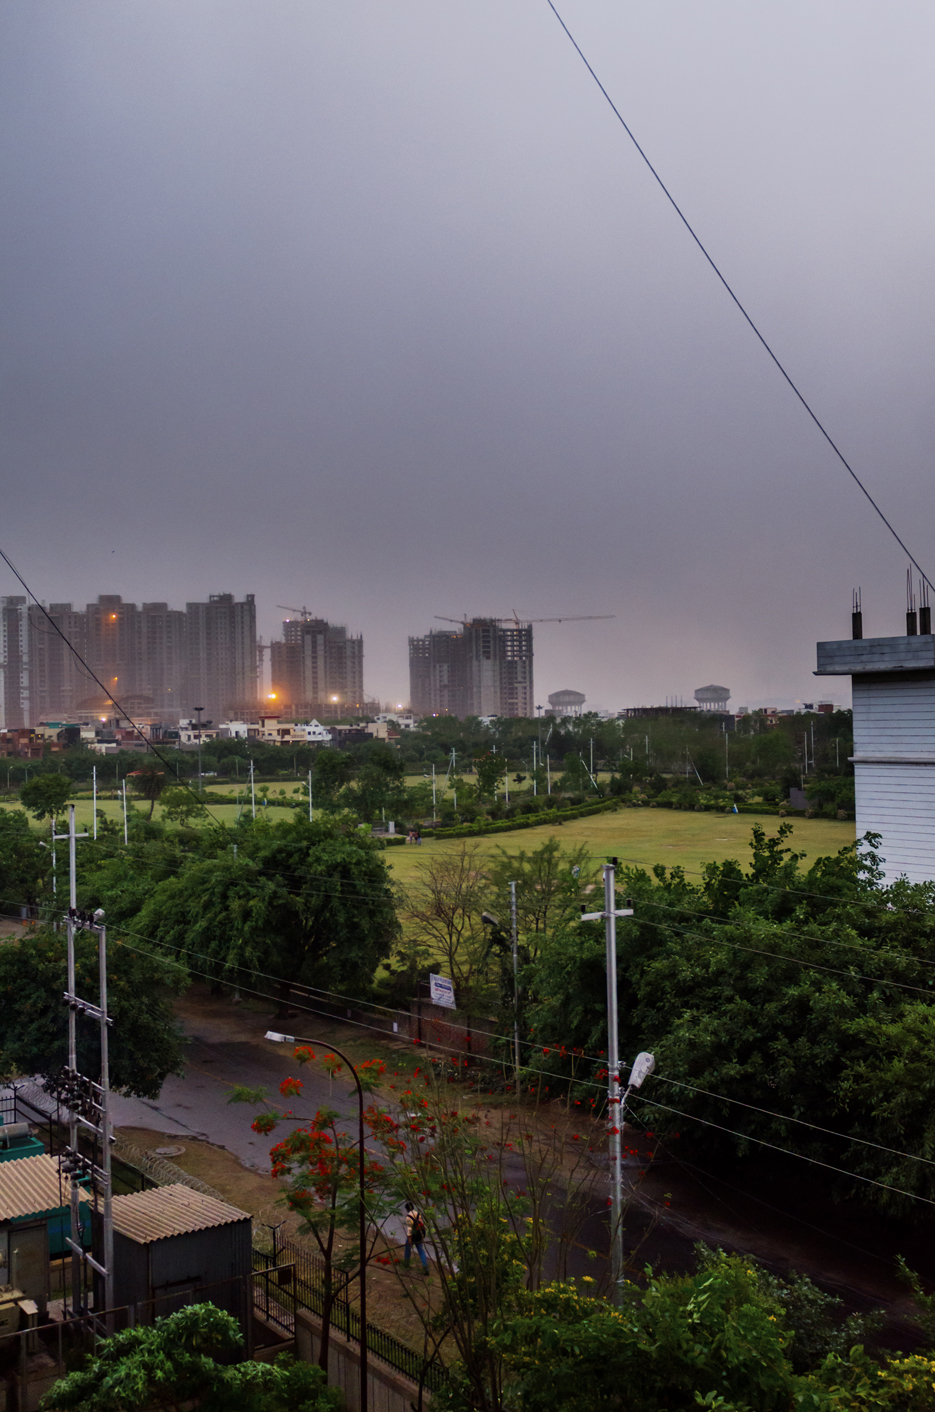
{"type": "Point", "coordinates": [380, 310]}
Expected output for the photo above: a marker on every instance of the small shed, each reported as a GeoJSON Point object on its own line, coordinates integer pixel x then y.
{"type": "Point", "coordinates": [35, 1218]}
{"type": "Point", "coordinates": [171, 1241]}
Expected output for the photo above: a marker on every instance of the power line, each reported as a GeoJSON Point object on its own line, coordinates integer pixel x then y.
{"type": "Point", "coordinates": [774, 1147]}
{"type": "Point", "coordinates": [591, 1084]}
{"type": "Point", "coordinates": [312, 991]}
{"type": "Point", "coordinates": [721, 922]}
{"type": "Point", "coordinates": [785, 1118]}
{"type": "Point", "coordinates": [736, 300]}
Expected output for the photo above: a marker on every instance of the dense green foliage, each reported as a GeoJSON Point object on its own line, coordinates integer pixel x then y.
{"type": "Point", "coordinates": [46, 795]}
{"type": "Point", "coordinates": [725, 1337]}
{"type": "Point", "coordinates": [145, 1042]}
{"type": "Point", "coordinates": [186, 1359]}
{"type": "Point", "coordinates": [24, 864]}
{"type": "Point", "coordinates": [310, 902]}
{"type": "Point", "coordinates": [804, 994]}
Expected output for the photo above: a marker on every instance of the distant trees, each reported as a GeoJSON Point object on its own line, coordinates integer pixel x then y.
{"type": "Point", "coordinates": [46, 795]}
{"type": "Point", "coordinates": [148, 782]}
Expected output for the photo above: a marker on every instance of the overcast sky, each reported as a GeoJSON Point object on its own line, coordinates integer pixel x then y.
{"type": "Point", "coordinates": [372, 307]}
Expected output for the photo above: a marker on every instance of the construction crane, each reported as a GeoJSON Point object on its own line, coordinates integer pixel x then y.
{"type": "Point", "coordinates": [518, 622]}
{"type": "Point", "coordinates": [303, 612]}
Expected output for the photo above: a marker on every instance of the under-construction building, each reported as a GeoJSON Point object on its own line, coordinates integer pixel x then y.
{"type": "Point", "coordinates": [317, 669]}
{"type": "Point", "coordinates": [483, 669]}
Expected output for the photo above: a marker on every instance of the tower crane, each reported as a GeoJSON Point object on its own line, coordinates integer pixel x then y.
{"type": "Point", "coordinates": [518, 622]}
{"type": "Point", "coordinates": [303, 612]}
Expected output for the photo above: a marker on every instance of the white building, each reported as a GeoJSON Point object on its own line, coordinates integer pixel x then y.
{"type": "Point", "coordinates": [893, 683]}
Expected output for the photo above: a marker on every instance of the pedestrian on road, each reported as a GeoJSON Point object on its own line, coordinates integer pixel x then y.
{"type": "Point", "coordinates": [415, 1236]}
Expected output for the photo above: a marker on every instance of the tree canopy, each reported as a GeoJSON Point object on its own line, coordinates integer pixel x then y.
{"type": "Point", "coordinates": [184, 1359]}
{"type": "Point", "coordinates": [46, 795]}
{"type": "Point", "coordinates": [145, 1041]}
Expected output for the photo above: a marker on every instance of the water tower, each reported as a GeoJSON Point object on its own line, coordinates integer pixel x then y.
{"type": "Point", "coordinates": [566, 703]}
{"type": "Point", "coordinates": [712, 698]}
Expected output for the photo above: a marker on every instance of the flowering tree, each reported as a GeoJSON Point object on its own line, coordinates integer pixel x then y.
{"type": "Point", "coordinates": [322, 1165]}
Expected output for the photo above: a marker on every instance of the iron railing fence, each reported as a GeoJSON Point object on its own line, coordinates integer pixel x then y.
{"type": "Point", "coordinates": [294, 1278]}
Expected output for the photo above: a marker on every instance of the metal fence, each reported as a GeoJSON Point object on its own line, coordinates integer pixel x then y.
{"type": "Point", "coordinates": [294, 1278]}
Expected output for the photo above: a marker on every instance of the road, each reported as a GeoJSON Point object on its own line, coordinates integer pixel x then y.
{"type": "Point", "coordinates": [227, 1047]}
{"type": "Point", "coordinates": [784, 1219]}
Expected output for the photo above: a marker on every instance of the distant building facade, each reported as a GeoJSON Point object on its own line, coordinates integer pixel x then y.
{"type": "Point", "coordinates": [318, 668]}
{"type": "Point", "coordinates": [152, 660]}
{"type": "Point", "coordinates": [893, 685]}
{"type": "Point", "coordinates": [485, 669]}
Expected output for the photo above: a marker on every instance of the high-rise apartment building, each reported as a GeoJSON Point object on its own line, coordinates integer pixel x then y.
{"type": "Point", "coordinates": [14, 663]}
{"type": "Point", "coordinates": [221, 655]}
{"type": "Point", "coordinates": [153, 659]}
{"type": "Point", "coordinates": [318, 668]}
{"type": "Point", "coordinates": [483, 670]}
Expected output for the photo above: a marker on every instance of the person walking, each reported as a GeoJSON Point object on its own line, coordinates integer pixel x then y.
{"type": "Point", "coordinates": [415, 1237]}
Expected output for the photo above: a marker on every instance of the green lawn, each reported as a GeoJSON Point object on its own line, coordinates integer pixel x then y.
{"type": "Point", "coordinates": [640, 836]}
{"type": "Point", "coordinates": [646, 836]}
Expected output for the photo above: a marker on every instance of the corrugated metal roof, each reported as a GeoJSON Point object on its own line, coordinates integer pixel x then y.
{"type": "Point", "coordinates": [164, 1211]}
{"type": "Point", "coordinates": [30, 1185]}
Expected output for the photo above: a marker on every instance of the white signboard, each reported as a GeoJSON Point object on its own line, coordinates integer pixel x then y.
{"type": "Point", "coordinates": [442, 991]}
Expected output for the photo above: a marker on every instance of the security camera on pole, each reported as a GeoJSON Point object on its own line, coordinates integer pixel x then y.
{"type": "Point", "coordinates": [616, 1101]}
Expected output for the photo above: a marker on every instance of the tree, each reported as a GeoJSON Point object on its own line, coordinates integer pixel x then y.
{"type": "Point", "coordinates": [323, 1167]}
{"type": "Point", "coordinates": [301, 901]}
{"type": "Point", "coordinates": [174, 1362]}
{"type": "Point", "coordinates": [491, 770]}
{"type": "Point", "coordinates": [46, 795]}
{"type": "Point", "coordinates": [148, 782]}
{"type": "Point", "coordinates": [443, 913]}
{"type": "Point", "coordinates": [23, 864]}
{"type": "Point", "coordinates": [503, 1193]}
{"type": "Point", "coordinates": [145, 1041]}
{"type": "Point", "coordinates": [721, 1337]}
{"type": "Point", "coordinates": [180, 804]}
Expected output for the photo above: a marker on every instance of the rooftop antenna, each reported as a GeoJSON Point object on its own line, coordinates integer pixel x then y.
{"type": "Point", "coordinates": [857, 617]}
{"type": "Point", "coordinates": [925, 612]}
{"type": "Point", "coordinates": [912, 622]}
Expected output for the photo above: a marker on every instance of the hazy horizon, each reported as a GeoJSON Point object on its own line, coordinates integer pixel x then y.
{"type": "Point", "coordinates": [376, 310]}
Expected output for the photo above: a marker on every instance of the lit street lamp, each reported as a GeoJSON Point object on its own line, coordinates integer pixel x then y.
{"type": "Point", "coordinates": [291, 1039]}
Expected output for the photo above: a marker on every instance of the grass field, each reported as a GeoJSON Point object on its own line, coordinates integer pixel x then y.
{"type": "Point", "coordinates": [647, 836]}
{"type": "Point", "coordinates": [639, 836]}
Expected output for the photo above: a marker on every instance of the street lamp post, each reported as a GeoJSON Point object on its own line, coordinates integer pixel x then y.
{"type": "Point", "coordinates": [362, 1198]}
{"type": "Point", "coordinates": [199, 709]}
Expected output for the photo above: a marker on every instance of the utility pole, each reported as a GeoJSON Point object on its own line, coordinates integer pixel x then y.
{"type": "Point", "coordinates": [126, 837]}
{"type": "Point", "coordinates": [548, 774]}
{"type": "Point", "coordinates": [253, 792]}
{"type": "Point", "coordinates": [94, 796]}
{"type": "Point", "coordinates": [310, 796]}
{"type": "Point", "coordinates": [534, 790]}
{"type": "Point", "coordinates": [609, 916]}
{"type": "Point", "coordinates": [514, 929]}
{"type": "Point", "coordinates": [433, 790]}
